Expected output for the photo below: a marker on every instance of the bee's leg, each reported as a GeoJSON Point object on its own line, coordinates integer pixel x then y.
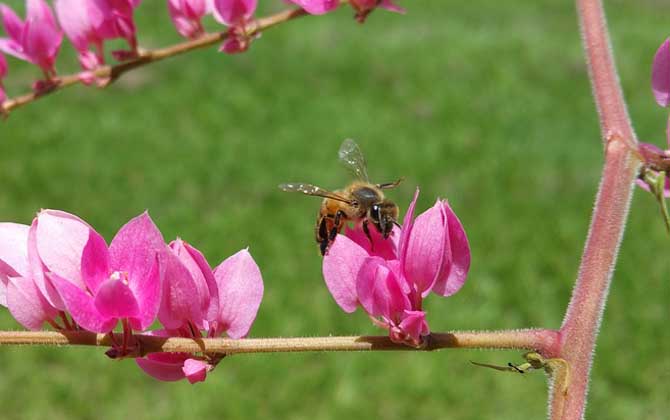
{"type": "Point", "coordinates": [390, 185]}
{"type": "Point", "coordinates": [366, 230]}
{"type": "Point", "coordinates": [322, 234]}
{"type": "Point", "coordinates": [337, 225]}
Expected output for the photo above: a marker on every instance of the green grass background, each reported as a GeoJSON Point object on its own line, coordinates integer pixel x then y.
{"type": "Point", "coordinates": [485, 103]}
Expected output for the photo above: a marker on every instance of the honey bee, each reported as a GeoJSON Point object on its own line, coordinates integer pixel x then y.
{"type": "Point", "coordinates": [361, 201]}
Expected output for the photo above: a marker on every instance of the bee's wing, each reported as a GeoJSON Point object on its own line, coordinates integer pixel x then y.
{"type": "Point", "coordinates": [352, 158]}
{"type": "Point", "coordinates": [310, 189]}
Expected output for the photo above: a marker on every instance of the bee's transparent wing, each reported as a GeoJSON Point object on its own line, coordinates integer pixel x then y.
{"type": "Point", "coordinates": [310, 189]}
{"type": "Point", "coordinates": [352, 158]}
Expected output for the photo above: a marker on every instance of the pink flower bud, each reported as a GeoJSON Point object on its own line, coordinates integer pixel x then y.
{"type": "Point", "coordinates": [233, 12]}
{"type": "Point", "coordinates": [186, 16]}
{"type": "Point", "coordinates": [317, 7]}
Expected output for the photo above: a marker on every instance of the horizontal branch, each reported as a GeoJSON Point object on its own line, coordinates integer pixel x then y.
{"type": "Point", "coordinates": [540, 340]}
{"type": "Point", "coordinates": [151, 56]}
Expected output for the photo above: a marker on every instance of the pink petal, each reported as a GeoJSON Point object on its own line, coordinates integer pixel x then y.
{"type": "Point", "coordinates": [147, 291]}
{"type": "Point", "coordinates": [240, 292]}
{"type": "Point", "coordinates": [37, 270]}
{"type": "Point", "coordinates": [425, 249]}
{"type": "Point", "coordinates": [660, 74]}
{"type": "Point", "coordinates": [13, 255]}
{"type": "Point", "coordinates": [451, 280]}
{"type": "Point", "coordinates": [340, 269]}
{"type": "Point", "coordinates": [75, 20]}
{"type": "Point", "coordinates": [380, 247]}
{"type": "Point", "coordinates": [180, 301]}
{"type": "Point", "coordinates": [82, 307]}
{"type": "Point", "coordinates": [13, 48]}
{"type": "Point", "coordinates": [233, 12]}
{"type": "Point", "coordinates": [61, 238]}
{"type": "Point", "coordinates": [317, 7]}
{"type": "Point", "coordinates": [26, 304]}
{"type": "Point", "coordinates": [134, 248]}
{"type": "Point", "coordinates": [203, 268]}
{"type": "Point", "coordinates": [14, 249]}
{"type": "Point", "coordinates": [414, 325]}
{"type": "Point", "coordinates": [95, 262]}
{"type": "Point", "coordinates": [196, 370]}
{"type": "Point", "coordinates": [406, 231]}
{"type": "Point", "coordinates": [164, 366]}
{"type": "Point", "coordinates": [390, 6]}
{"type": "Point", "coordinates": [379, 290]}
{"type": "Point", "coordinates": [41, 37]}
{"type": "Point", "coordinates": [114, 299]}
{"type": "Point", "coordinates": [3, 68]}
{"type": "Point", "coordinates": [12, 23]}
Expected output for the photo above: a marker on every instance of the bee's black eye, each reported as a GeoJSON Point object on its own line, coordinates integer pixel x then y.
{"type": "Point", "coordinates": [375, 212]}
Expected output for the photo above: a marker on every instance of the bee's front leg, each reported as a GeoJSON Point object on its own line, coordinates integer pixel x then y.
{"type": "Point", "coordinates": [366, 230]}
{"type": "Point", "coordinates": [337, 225]}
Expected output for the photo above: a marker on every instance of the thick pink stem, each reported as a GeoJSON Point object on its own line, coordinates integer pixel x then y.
{"type": "Point", "coordinates": [582, 320]}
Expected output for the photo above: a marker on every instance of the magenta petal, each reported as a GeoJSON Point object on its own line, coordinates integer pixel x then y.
{"type": "Point", "coordinates": [135, 246]}
{"type": "Point", "coordinates": [75, 21]}
{"type": "Point", "coordinates": [407, 223]}
{"type": "Point", "coordinates": [82, 307]}
{"type": "Point", "coordinates": [11, 22]}
{"type": "Point", "coordinates": [379, 290]}
{"type": "Point", "coordinates": [180, 301]}
{"type": "Point", "coordinates": [340, 270]}
{"type": "Point", "coordinates": [114, 299]}
{"type": "Point", "coordinates": [240, 292]}
{"type": "Point", "coordinates": [660, 74]}
{"type": "Point", "coordinates": [414, 325]}
{"type": "Point", "coordinates": [425, 249]}
{"type": "Point", "coordinates": [390, 6]}
{"type": "Point", "coordinates": [26, 304]}
{"type": "Point", "coordinates": [164, 366]}
{"type": "Point", "coordinates": [380, 247]}
{"type": "Point", "coordinates": [453, 278]}
{"type": "Point", "coordinates": [147, 291]}
{"type": "Point", "coordinates": [195, 370]}
{"type": "Point", "coordinates": [95, 262]}
{"type": "Point", "coordinates": [203, 268]}
{"type": "Point", "coordinates": [317, 7]}
{"type": "Point", "coordinates": [233, 12]}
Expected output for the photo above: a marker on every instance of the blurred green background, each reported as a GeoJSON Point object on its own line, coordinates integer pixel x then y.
{"type": "Point", "coordinates": [485, 103]}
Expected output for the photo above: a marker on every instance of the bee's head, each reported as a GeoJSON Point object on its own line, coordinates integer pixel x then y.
{"type": "Point", "coordinates": [384, 215]}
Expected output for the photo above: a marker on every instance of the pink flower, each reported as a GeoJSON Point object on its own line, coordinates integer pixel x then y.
{"type": "Point", "coordinates": [317, 7]}
{"type": "Point", "coordinates": [660, 74]}
{"type": "Point", "coordinates": [122, 282]}
{"type": "Point", "coordinates": [234, 299]}
{"type": "Point", "coordinates": [3, 73]}
{"type": "Point", "coordinates": [36, 40]}
{"type": "Point", "coordinates": [390, 278]}
{"type": "Point", "coordinates": [17, 289]}
{"type": "Point", "coordinates": [186, 16]}
{"type": "Point", "coordinates": [235, 14]}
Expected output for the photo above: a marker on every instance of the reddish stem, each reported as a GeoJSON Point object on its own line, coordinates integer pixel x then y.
{"type": "Point", "coordinates": [582, 320]}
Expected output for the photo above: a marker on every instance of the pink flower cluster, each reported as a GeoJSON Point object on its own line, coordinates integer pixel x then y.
{"type": "Point", "coordinates": [660, 87]}
{"type": "Point", "coordinates": [59, 270]}
{"type": "Point", "coordinates": [390, 278]}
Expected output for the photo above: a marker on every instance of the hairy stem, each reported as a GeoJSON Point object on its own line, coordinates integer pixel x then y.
{"type": "Point", "coordinates": [543, 341]}
{"type": "Point", "coordinates": [582, 320]}
{"type": "Point", "coordinates": [151, 56]}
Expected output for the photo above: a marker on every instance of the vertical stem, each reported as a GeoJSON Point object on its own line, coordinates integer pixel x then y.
{"type": "Point", "coordinates": [582, 320]}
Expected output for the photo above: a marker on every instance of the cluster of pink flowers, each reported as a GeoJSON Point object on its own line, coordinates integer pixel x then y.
{"type": "Point", "coordinates": [59, 270]}
{"type": "Point", "coordinates": [652, 154]}
{"type": "Point", "coordinates": [390, 278]}
{"type": "Point", "coordinates": [90, 23]}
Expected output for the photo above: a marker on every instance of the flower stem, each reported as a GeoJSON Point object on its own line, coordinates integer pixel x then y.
{"type": "Point", "coordinates": [543, 341]}
{"type": "Point", "coordinates": [582, 320]}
